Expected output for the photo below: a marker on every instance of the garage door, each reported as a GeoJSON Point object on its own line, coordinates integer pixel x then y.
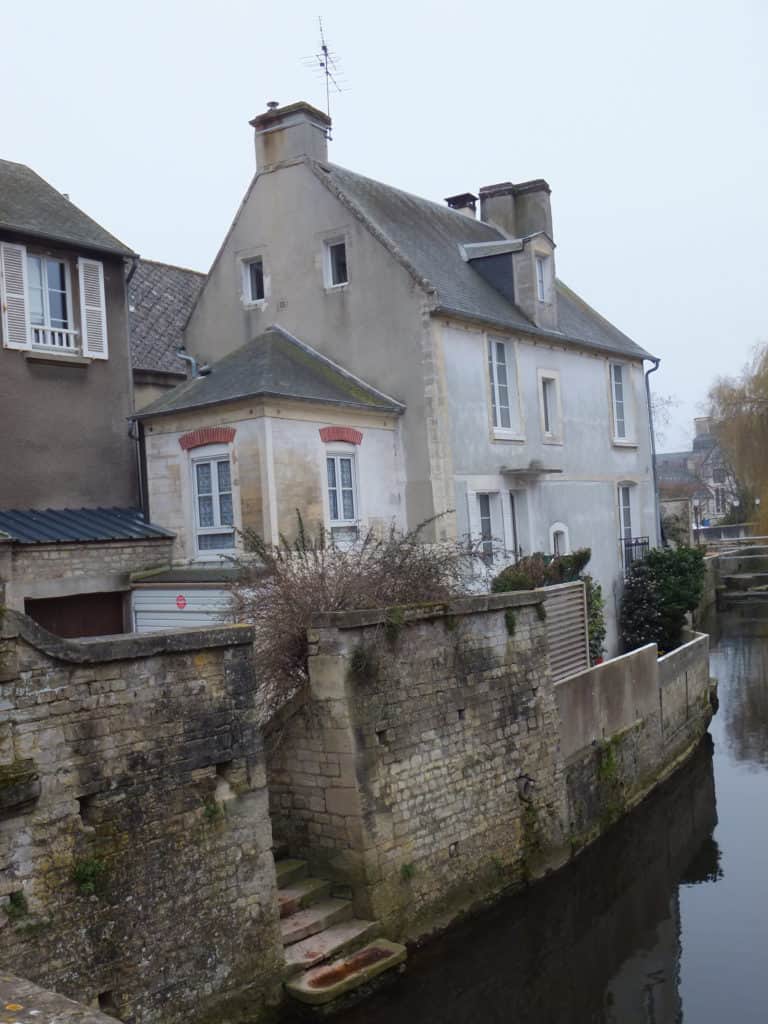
{"type": "Point", "coordinates": [157, 608]}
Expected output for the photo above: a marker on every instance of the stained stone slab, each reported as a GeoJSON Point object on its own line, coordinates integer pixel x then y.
{"type": "Point", "coordinates": [323, 984]}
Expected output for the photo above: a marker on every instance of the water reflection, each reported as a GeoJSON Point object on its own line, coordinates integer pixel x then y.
{"type": "Point", "coordinates": [598, 942]}
{"type": "Point", "coordinates": [740, 661]}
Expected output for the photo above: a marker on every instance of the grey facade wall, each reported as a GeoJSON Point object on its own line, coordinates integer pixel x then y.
{"type": "Point", "coordinates": [65, 424]}
{"type": "Point", "coordinates": [434, 762]}
{"type": "Point", "coordinates": [135, 842]}
{"type": "Point", "coordinates": [376, 326]}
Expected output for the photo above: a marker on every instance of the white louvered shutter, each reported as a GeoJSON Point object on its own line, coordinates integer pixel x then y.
{"type": "Point", "coordinates": [93, 309]}
{"type": "Point", "coordinates": [13, 295]}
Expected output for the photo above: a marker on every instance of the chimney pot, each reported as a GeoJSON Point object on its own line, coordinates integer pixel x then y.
{"type": "Point", "coordinates": [464, 203]}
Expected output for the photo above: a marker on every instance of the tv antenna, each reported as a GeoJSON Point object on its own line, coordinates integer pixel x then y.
{"type": "Point", "coordinates": [326, 64]}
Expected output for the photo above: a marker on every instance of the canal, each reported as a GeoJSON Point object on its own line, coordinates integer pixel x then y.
{"type": "Point", "coordinates": [664, 920]}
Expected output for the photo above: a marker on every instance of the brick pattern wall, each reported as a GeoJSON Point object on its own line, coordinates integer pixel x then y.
{"type": "Point", "coordinates": [67, 561]}
{"type": "Point", "coordinates": [135, 843]}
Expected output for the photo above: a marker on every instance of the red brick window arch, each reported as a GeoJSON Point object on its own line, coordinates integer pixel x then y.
{"type": "Point", "coordinates": [347, 435]}
{"type": "Point", "coordinates": [207, 435]}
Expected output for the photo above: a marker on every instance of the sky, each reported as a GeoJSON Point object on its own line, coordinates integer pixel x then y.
{"type": "Point", "coordinates": [647, 120]}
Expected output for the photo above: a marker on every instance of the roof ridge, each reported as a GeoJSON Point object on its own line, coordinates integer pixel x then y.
{"type": "Point", "coordinates": [172, 266]}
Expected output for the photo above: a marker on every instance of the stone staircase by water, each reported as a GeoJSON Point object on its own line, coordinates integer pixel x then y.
{"type": "Point", "coordinates": [328, 951]}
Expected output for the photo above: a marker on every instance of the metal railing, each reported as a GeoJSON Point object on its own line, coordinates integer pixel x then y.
{"type": "Point", "coordinates": [60, 338]}
{"type": "Point", "coordinates": [633, 549]}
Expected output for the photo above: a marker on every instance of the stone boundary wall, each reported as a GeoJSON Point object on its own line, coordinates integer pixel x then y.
{"type": "Point", "coordinates": [136, 869]}
{"type": "Point", "coordinates": [625, 725]}
{"type": "Point", "coordinates": [434, 762]}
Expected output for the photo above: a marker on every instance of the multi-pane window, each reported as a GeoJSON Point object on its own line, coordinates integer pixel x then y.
{"type": "Point", "coordinates": [541, 278]}
{"type": "Point", "coordinates": [341, 489]}
{"type": "Point", "coordinates": [619, 393]}
{"type": "Point", "coordinates": [49, 300]}
{"type": "Point", "coordinates": [255, 279]}
{"type": "Point", "coordinates": [502, 377]}
{"type": "Point", "coordinates": [213, 504]}
{"type": "Point", "coordinates": [336, 263]}
{"type": "Point", "coordinates": [625, 511]}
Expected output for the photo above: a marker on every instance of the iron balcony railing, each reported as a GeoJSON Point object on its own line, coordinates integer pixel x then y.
{"type": "Point", "coordinates": [634, 549]}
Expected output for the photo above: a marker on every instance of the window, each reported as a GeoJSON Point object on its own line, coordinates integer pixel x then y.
{"type": "Point", "coordinates": [213, 504]}
{"type": "Point", "coordinates": [254, 280]}
{"type": "Point", "coordinates": [516, 550]}
{"type": "Point", "coordinates": [549, 399]}
{"type": "Point", "coordinates": [542, 273]}
{"type": "Point", "coordinates": [49, 300]}
{"type": "Point", "coordinates": [336, 263]}
{"type": "Point", "coordinates": [503, 380]}
{"type": "Point", "coordinates": [342, 503]}
{"type": "Point", "coordinates": [625, 511]}
{"type": "Point", "coordinates": [486, 527]}
{"type": "Point", "coordinates": [718, 475]}
{"type": "Point", "coordinates": [719, 500]}
{"type": "Point", "coordinates": [621, 401]}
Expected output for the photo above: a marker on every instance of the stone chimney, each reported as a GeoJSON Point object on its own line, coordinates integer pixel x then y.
{"type": "Point", "coordinates": [289, 133]}
{"type": "Point", "coordinates": [517, 210]}
{"type": "Point", "coordinates": [464, 203]}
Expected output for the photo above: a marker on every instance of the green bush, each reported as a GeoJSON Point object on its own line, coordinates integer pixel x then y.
{"type": "Point", "coordinates": [595, 618]}
{"type": "Point", "coordinates": [657, 594]}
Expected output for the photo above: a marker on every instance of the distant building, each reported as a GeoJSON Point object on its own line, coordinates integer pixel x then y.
{"type": "Point", "coordinates": [71, 529]}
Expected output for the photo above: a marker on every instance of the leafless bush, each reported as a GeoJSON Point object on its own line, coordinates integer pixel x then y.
{"type": "Point", "coordinates": [280, 588]}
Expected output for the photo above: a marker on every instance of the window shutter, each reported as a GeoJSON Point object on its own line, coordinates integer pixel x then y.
{"type": "Point", "coordinates": [13, 295]}
{"type": "Point", "coordinates": [93, 309]}
{"type": "Point", "coordinates": [473, 516]}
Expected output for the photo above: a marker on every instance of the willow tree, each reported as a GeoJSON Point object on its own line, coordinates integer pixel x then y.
{"type": "Point", "coordinates": [739, 407]}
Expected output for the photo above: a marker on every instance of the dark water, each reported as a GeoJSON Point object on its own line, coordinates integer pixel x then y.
{"type": "Point", "coordinates": [665, 920]}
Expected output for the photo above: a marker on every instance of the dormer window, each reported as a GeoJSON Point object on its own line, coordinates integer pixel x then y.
{"type": "Point", "coordinates": [542, 277]}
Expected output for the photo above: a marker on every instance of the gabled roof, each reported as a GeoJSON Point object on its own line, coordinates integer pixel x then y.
{"type": "Point", "coordinates": [160, 298]}
{"type": "Point", "coordinates": [30, 206]}
{"type": "Point", "coordinates": [428, 240]}
{"type": "Point", "coordinates": [273, 365]}
{"type": "Point", "coordinates": [55, 525]}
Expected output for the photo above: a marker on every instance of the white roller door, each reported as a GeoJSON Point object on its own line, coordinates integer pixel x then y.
{"type": "Point", "coordinates": [156, 608]}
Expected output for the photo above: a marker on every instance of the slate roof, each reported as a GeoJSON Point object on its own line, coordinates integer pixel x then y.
{"type": "Point", "coordinates": [160, 298]}
{"type": "Point", "coordinates": [275, 365]}
{"type": "Point", "coordinates": [426, 237]}
{"type": "Point", "coordinates": [30, 206]}
{"type": "Point", "coordinates": [53, 525]}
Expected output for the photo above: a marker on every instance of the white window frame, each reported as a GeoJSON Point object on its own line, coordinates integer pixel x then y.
{"type": "Point", "coordinates": [328, 244]}
{"type": "Point", "coordinates": [627, 403]}
{"type": "Point", "coordinates": [336, 454]}
{"type": "Point", "coordinates": [541, 270]}
{"type": "Point", "coordinates": [559, 528]}
{"type": "Point", "coordinates": [212, 454]}
{"type": "Point", "coordinates": [514, 432]}
{"type": "Point", "coordinates": [245, 265]}
{"type": "Point", "coordinates": [552, 432]}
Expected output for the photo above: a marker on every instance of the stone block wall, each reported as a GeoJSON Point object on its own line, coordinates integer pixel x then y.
{"type": "Point", "coordinates": [136, 870]}
{"type": "Point", "coordinates": [425, 769]}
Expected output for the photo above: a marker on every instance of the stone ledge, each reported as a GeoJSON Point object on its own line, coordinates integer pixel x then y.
{"type": "Point", "coordinates": [440, 609]}
{"type": "Point", "coordinates": [122, 646]}
{"type": "Point", "coordinates": [29, 1004]}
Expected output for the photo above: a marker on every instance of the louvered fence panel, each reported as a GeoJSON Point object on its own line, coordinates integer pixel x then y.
{"type": "Point", "coordinates": [567, 636]}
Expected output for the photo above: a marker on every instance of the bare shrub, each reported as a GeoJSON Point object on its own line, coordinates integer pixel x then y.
{"type": "Point", "coordinates": [280, 588]}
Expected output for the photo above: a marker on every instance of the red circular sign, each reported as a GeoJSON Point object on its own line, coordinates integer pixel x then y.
{"type": "Point", "coordinates": [181, 601]}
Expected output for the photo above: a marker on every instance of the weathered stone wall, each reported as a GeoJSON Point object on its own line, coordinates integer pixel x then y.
{"type": "Point", "coordinates": [57, 570]}
{"type": "Point", "coordinates": [626, 725]}
{"type": "Point", "coordinates": [425, 770]}
{"type": "Point", "coordinates": [434, 762]}
{"type": "Point", "coordinates": [136, 870]}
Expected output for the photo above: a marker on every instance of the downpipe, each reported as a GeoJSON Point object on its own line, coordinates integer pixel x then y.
{"type": "Point", "coordinates": [656, 505]}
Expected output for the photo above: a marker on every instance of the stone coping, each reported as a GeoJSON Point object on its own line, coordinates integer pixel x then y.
{"type": "Point", "coordinates": [437, 610]}
{"type": "Point", "coordinates": [25, 1003]}
{"type": "Point", "coordinates": [696, 638]}
{"type": "Point", "coordinates": [123, 646]}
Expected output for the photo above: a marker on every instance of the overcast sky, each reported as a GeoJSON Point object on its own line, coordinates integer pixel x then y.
{"type": "Point", "coordinates": [647, 120]}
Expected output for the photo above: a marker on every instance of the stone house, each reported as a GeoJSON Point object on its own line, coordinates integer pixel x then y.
{"type": "Point", "coordinates": [70, 527]}
{"type": "Point", "coordinates": [525, 412]}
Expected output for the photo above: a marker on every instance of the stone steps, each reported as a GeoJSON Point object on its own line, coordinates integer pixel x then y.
{"type": "Point", "coordinates": [322, 938]}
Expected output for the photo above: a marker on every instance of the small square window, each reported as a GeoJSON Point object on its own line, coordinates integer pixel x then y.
{"type": "Point", "coordinates": [255, 280]}
{"type": "Point", "coordinates": [337, 263]}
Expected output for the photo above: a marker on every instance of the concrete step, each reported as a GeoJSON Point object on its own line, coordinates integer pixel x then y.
{"type": "Point", "coordinates": [314, 919]}
{"type": "Point", "coordinates": [730, 564]}
{"type": "Point", "coordinates": [325, 945]}
{"type": "Point", "coordinates": [300, 894]}
{"type": "Point", "coordinates": [322, 984]}
{"type": "Point", "coordinates": [745, 580]}
{"type": "Point", "coordinates": [290, 871]}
